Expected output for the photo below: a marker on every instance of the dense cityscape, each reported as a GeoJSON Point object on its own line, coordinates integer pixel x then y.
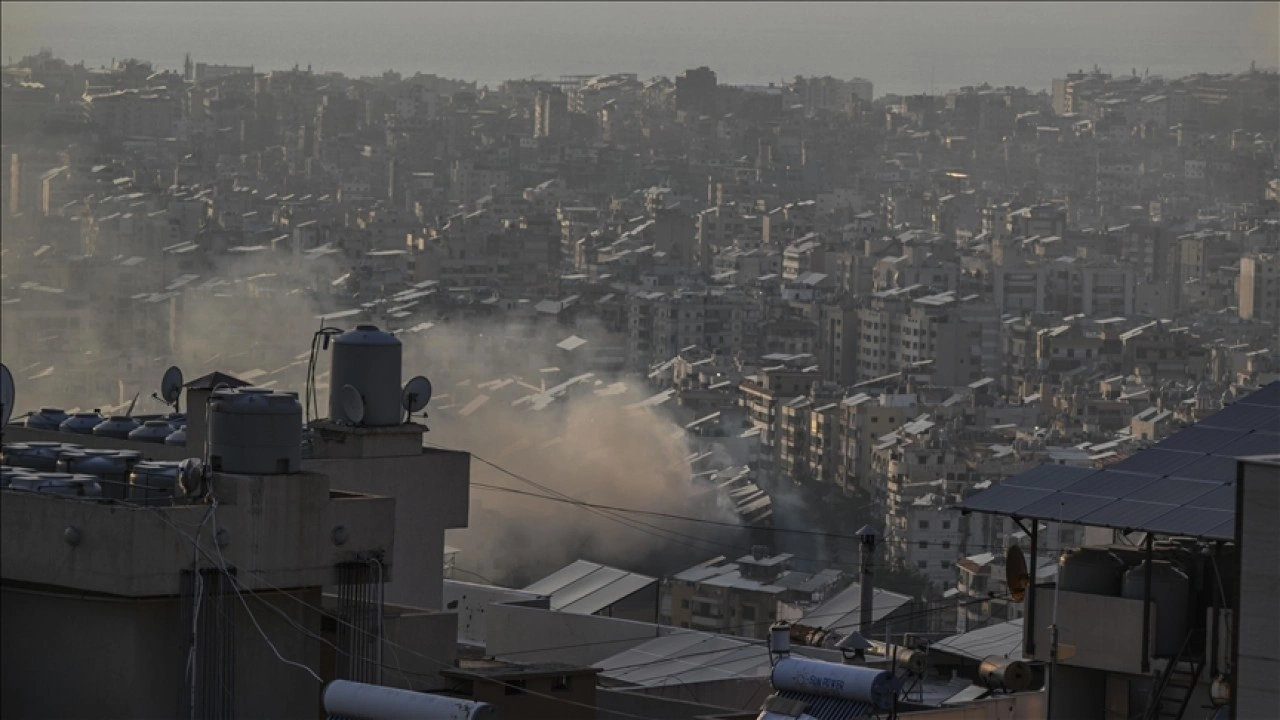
{"type": "Point", "coordinates": [737, 396]}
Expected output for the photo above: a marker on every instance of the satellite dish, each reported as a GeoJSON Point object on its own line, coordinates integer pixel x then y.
{"type": "Point", "coordinates": [416, 394]}
{"type": "Point", "coordinates": [1015, 573]}
{"type": "Point", "coordinates": [171, 386]}
{"type": "Point", "coordinates": [352, 404]}
{"type": "Point", "coordinates": [7, 392]}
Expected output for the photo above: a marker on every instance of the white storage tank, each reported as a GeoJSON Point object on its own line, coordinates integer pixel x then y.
{"type": "Point", "coordinates": [850, 682]}
{"type": "Point", "coordinates": [368, 360]}
{"type": "Point", "coordinates": [49, 418]}
{"type": "Point", "coordinates": [255, 431]}
{"type": "Point", "coordinates": [116, 426]}
{"type": "Point", "coordinates": [81, 423]}
{"type": "Point", "coordinates": [152, 431]}
{"type": "Point", "coordinates": [153, 483]}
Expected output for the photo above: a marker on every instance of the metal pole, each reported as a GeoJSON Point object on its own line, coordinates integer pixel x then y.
{"type": "Point", "coordinates": [1053, 640]}
{"type": "Point", "coordinates": [1030, 646]}
{"type": "Point", "coordinates": [1217, 610]}
{"type": "Point", "coordinates": [1146, 607]}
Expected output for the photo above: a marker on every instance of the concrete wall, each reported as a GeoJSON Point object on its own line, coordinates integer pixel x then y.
{"type": "Point", "coordinates": [432, 493]}
{"type": "Point", "coordinates": [278, 531]}
{"type": "Point", "coordinates": [1257, 692]}
{"type": "Point", "coordinates": [70, 657]}
{"type": "Point", "coordinates": [472, 602]}
{"type": "Point", "coordinates": [1114, 645]}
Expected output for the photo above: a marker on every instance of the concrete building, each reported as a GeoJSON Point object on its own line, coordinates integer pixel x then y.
{"type": "Point", "coordinates": [696, 91]}
{"type": "Point", "coordinates": [1259, 287]}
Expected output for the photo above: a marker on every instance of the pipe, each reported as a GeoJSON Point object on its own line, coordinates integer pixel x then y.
{"type": "Point", "coordinates": [1217, 610]}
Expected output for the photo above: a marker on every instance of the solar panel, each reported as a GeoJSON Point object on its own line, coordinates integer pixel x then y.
{"type": "Point", "coordinates": [1222, 498]}
{"type": "Point", "coordinates": [1111, 483]}
{"type": "Point", "coordinates": [1126, 513]}
{"type": "Point", "coordinates": [1258, 443]}
{"type": "Point", "coordinates": [1156, 461]}
{"type": "Point", "coordinates": [1005, 499]}
{"type": "Point", "coordinates": [1188, 521]}
{"type": "Point", "coordinates": [1199, 439]}
{"type": "Point", "coordinates": [1268, 396]}
{"type": "Point", "coordinates": [1245, 416]}
{"type": "Point", "coordinates": [1216, 468]}
{"type": "Point", "coordinates": [1048, 477]}
{"type": "Point", "coordinates": [1184, 485]}
{"type": "Point", "coordinates": [1173, 490]}
{"type": "Point", "coordinates": [1065, 506]}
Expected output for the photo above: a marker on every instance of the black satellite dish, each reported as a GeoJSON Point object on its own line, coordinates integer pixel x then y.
{"type": "Point", "coordinates": [7, 395]}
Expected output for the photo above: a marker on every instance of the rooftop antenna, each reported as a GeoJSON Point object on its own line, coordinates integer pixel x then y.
{"type": "Point", "coordinates": [352, 404]}
{"type": "Point", "coordinates": [415, 396]}
{"type": "Point", "coordinates": [170, 387]}
{"type": "Point", "coordinates": [132, 403]}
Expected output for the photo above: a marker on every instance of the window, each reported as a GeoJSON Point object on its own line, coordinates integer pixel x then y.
{"type": "Point", "coordinates": [946, 544]}
{"type": "Point", "coordinates": [922, 564]}
{"type": "Point", "coordinates": [924, 544]}
{"type": "Point", "coordinates": [562, 684]}
{"type": "Point", "coordinates": [684, 604]}
{"type": "Point", "coordinates": [924, 525]}
{"type": "Point", "coordinates": [748, 612]}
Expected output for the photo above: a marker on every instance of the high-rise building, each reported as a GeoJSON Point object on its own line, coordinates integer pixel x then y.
{"type": "Point", "coordinates": [696, 91]}
{"type": "Point", "coordinates": [551, 113]}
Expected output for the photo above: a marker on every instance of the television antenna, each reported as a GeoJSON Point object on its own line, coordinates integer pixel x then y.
{"type": "Point", "coordinates": [352, 404]}
{"type": "Point", "coordinates": [415, 396]}
{"type": "Point", "coordinates": [170, 387]}
{"type": "Point", "coordinates": [7, 394]}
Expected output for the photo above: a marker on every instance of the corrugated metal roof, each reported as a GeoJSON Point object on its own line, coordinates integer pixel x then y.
{"type": "Point", "coordinates": [1003, 639]}
{"type": "Point", "coordinates": [586, 588]}
{"type": "Point", "coordinates": [1184, 485]}
{"type": "Point", "coordinates": [843, 610]}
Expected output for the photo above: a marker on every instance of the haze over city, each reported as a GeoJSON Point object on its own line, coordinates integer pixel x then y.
{"type": "Point", "coordinates": [604, 361]}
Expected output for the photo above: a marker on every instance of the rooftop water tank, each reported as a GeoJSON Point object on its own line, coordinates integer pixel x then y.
{"type": "Point", "coordinates": [1096, 571]}
{"type": "Point", "coordinates": [116, 426]}
{"type": "Point", "coordinates": [177, 437]}
{"type": "Point", "coordinates": [368, 360]}
{"type": "Point", "coordinates": [81, 423]}
{"type": "Point", "coordinates": [153, 483]}
{"type": "Point", "coordinates": [176, 420]}
{"type": "Point", "coordinates": [849, 682]}
{"type": "Point", "coordinates": [112, 467]}
{"type": "Point", "coordinates": [36, 455]}
{"type": "Point", "coordinates": [67, 484]}
{"type": "Point", "coordinates": [152, 431]}
{"type": "Point", "coordinates": [48, 418]}
{"type": "Point", "coordinates": [255, 431]}
{"type": "Point", "coordinates": [1170, 591]}
{"type": "Point", "coordinates": [20, 478]}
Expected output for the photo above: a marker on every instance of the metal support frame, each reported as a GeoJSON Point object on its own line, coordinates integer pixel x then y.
{"type": "Point", "coordinates": [1029, 629]}
{"type": "Point", "coordinates": [1146, 603]}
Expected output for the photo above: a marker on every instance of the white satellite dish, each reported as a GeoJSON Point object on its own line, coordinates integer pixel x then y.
{"type": "Point", "coordinates": [416, 395]}
{"type": "Point", "coordinates": [171, 386]}
{"type": "Point", "coordinates": [7, 394]}
{"type": "Point", "coordinates": [352, 404]}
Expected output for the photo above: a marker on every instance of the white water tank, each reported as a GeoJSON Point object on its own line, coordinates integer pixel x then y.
{"type": "Point", "coordinates": [255, 431]}
{"type": "Point", "coordinates": [850, 682]}
{"type": "Point", "coordinates": [368, 360]}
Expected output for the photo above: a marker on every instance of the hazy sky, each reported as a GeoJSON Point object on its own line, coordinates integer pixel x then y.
{"type": "Point", "coordinates": [896, 45]}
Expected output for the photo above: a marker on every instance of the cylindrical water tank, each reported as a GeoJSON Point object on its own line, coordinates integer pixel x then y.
{"type": "Point", "coordinates": [850, 682]}
{"type": "Point", "coordinates": [909, 660]}
{"type": "Point", "coordinates": [116, 426]}
{"type": "Point", "coordinates": [152, 483]}
{"type": "Point", "coordinates": [1096, 571]}
{"type": "Point", "coordinates": [368, 360]}
{"type": "Point", "coordinates": [68, 484]}
{"type": "Point", "coordinates": [19, 478]}
{"type": "Point", "coordinates": [176, 420]}
{"type": "Point", "coordinates": [1170, 591]}
{"type": "Point", "coordinates": [152, 431]}
{"type": "Point", "coordinates": [49, 418]}
{"type": "Point", "coordinates": [81, 423]}
{"type": "Point", "coordinates": [255, 431]}
{"type": "Point", "coordinates": [1001, 673]}
{"type": "Point", "coordinates": [112, 467]}
{"type": "Point", "coordinates": [177, 437]}
{"type": "Point", "coordinates": [35, 455]}
{"type": "Point", "coordinates": [359, 701]}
